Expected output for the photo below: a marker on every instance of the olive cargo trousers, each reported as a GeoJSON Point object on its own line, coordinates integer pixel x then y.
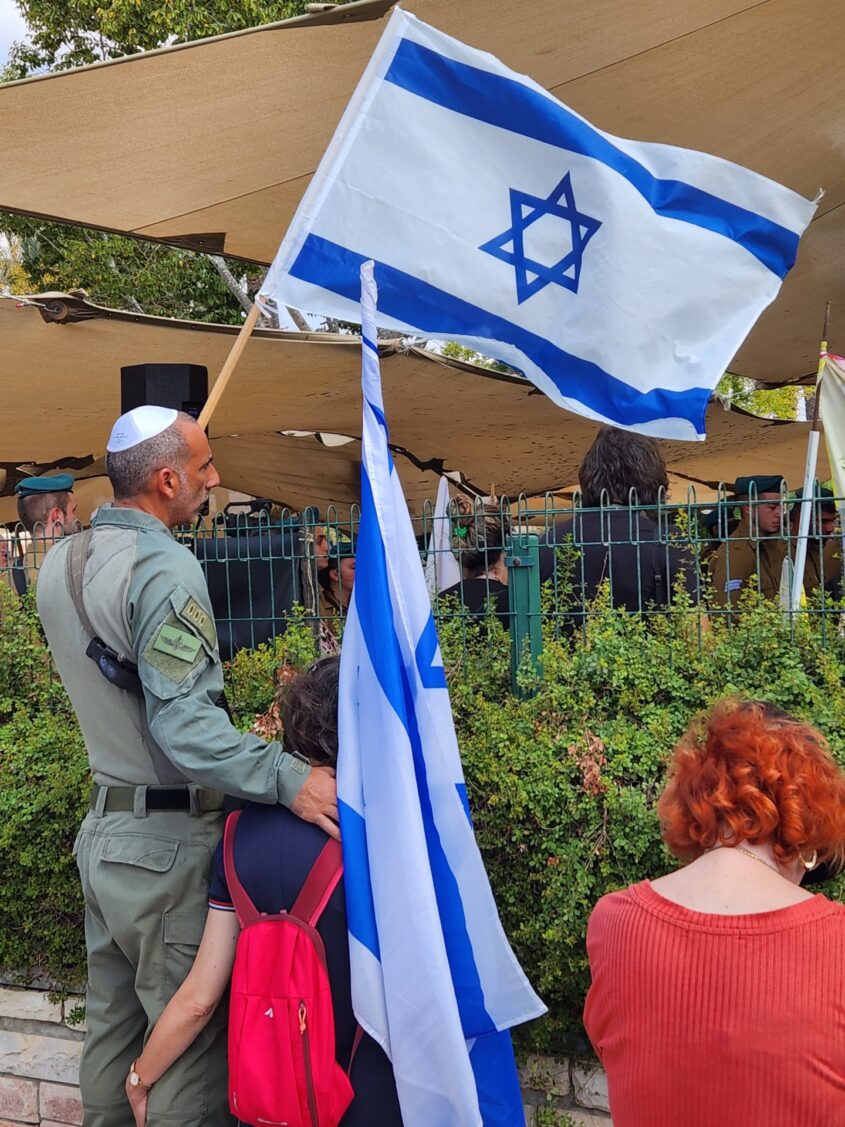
{"type": "Point", "coordinates": [145, 881]}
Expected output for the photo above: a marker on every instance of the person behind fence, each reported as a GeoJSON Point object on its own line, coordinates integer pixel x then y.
{"type": "Point", "coordinates": [615, 535]}
{"type": "Point", "coordinates": [336, 581]}
{"type": "Point", "coordinates": [47, 510]}
{"type": "Point", "coordinates": [717, 990]}
{"type": "Point", "coordinates": [273, 855]}
{"type": "Point", "coordinates": [128, 619]}
{"type": "Point", "coordinates": [754, 553]}
{"type": "Point", "coordinates": [479, 536]}
{"type": "Point", "coordinates": [823, 569]}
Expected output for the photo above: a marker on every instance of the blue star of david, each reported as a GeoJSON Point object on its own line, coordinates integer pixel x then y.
{"type": "Point", "coordinates": [533, 276]}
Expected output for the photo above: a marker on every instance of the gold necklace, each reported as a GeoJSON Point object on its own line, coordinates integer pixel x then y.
{"type": "Point", "coordinates": [748, 853]}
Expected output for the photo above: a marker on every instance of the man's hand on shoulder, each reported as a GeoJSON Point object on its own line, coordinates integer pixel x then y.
{"type": "Point", "coordinates": [317, 800]}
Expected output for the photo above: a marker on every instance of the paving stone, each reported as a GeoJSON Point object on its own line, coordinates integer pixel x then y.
{"type": "Point", "coordinates": [19, 1099]}
{"type": "Point", "coordinates": [546, 1075]}
{"type": "Point", "coordinates": [60, 1102]}
{"type": "Point", "coordinates": [41, 1058]}
{"type": "Point", "coordinates": [28, 1005]}
{"type": "Point", "coordinates": [582, 1118]}
{"type": "Point", "coordinates": [590, 1085]}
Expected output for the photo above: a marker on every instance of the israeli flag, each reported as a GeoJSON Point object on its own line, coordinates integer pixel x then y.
{"type": "Point", "coordinates": [620, 277]}
{"type": "Point", "coordinates": [434, 980]}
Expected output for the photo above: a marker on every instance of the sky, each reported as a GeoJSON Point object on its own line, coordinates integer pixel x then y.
{"type": "Point", "coordinates": [12, 27]}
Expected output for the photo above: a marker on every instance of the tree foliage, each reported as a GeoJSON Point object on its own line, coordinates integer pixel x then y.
{"type": "Point", "coordinates": [66, 34]}
{"type": "Point", "coordinates": [771, 403]}
{"type": "Point", "coordinates": [125, 273]}
{"type": "Point", "coordinates": [121, 272]}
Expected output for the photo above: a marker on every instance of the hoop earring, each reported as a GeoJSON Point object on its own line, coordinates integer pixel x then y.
{"type": "Point", "coordinates": [811, 864]}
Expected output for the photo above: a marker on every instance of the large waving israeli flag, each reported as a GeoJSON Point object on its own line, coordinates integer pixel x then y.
{"type": "Point", "coordinates": [620, 277]}
{"type": "Point", "coordinates": [434, 980]}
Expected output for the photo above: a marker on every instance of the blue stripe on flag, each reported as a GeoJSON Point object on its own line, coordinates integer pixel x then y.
{"type": "Point", "coordinates": [360, 910]}
{"type": "Point", "coordinates": [432, 676]}
{"type": "Point", "coordinates": [509, 104]}
{"type": "Point", "coordinates": [432, 310]}
{"type": "Point", "coordinates": [375, 616]}
{"type": "Point", "coordinates": [496, 1080]}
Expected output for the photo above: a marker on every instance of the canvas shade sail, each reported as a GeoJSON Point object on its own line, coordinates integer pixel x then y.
{"type": "Point", "coordinates": [61, 394]}
{"type": "Point", "coordinates": [211, 145]}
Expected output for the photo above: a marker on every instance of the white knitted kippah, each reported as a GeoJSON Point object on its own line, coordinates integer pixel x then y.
{"type": "Point", "coordinates": [138, 425]}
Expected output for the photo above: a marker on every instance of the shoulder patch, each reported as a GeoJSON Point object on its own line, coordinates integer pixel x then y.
{"type": "Point", "coordinates": [192, 613]}
{"type": "Point", "coordinates": [176, 642]}
{"type": "Point", "coordinates": [173, 651]}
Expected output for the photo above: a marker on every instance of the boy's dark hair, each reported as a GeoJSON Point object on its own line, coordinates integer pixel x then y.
{"type": "Point", "coordinates": [617, 462]}
{"type": "Point", "coordinates": [309, 713]}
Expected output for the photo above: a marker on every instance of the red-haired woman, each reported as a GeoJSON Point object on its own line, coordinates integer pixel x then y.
{"type": "Point", "coordinates": [718, 994]}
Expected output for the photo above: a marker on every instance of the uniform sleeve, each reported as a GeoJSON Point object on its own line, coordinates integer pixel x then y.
{"type": "Point", "coordinates": [175, 646]}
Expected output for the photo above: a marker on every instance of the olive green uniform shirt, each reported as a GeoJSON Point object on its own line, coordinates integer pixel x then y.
{"type": "Point", "coordinates": [146, 597]}
{"type": "Point", "coordinates": [738, 559]}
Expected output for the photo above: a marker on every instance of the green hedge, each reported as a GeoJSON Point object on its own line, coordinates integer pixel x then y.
{"type": "Point", "coordinates": [562, 783]}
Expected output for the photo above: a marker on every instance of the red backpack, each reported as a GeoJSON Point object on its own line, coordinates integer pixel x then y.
{"type": "Point", "coordinates": [282, 1066]}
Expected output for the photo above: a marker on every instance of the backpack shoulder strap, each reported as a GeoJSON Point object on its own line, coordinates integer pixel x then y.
{"type": "Point", "coordinates": [245, 909]}
{"type": "Point", "coordinates": [320, 883]}
{"type": "Point", "coordinates": [74, 567]}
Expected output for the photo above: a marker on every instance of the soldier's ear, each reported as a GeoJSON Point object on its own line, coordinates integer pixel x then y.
{"type": "Point", "coordinates": [166, 482]}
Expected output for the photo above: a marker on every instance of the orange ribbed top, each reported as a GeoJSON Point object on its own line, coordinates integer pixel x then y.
{"type": "Point", "coordinates": [718, 1021]}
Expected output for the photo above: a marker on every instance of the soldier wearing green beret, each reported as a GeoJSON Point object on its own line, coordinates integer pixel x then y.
{"type": "Point", "coordinates": [47, 510]}
{"type": "Point", "coordinates": [162, 754]}
{"type": "Point", "coordinates": [823, 569]}
{"type": "Point", "coordinates": [755, 550]}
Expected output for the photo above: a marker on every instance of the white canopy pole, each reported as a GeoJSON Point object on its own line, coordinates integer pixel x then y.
{"type": "Point", "coordinates": [808, 494]}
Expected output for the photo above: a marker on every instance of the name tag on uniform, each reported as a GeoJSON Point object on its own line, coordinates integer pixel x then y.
{"type": "Point", "coordinates": [177, 643]}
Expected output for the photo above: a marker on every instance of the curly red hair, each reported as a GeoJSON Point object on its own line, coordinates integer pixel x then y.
{"type": "Point", "coordinates": [749, 772]}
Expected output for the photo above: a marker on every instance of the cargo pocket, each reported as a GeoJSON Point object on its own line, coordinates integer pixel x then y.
{"type": "Point", "coordinates": [182, 932]}
{"type": "Point", "coordinates": [140, 851]}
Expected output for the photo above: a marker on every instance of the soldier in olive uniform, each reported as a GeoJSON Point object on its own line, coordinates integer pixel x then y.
{"type": "Point", "coordinates": [823, 568]}
{"type": "Point", "coordinates": [47, 510]}
{"type": "Point", "coordinates": [757, 546]}
{"type": "Point", "coordinates": [161, 753]}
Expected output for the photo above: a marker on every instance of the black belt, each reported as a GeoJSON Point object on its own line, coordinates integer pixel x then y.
{"type": "Point", "coordinates": [156, 798]}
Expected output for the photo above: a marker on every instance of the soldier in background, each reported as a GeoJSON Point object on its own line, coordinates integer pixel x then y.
{"type": "Point", "coordinates": [757, 546]}
{"type": "Point", "coordinates": [47, 510]}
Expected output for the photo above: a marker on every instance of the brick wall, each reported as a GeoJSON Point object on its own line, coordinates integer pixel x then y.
{"type": "Point", "coordinates": [39, 1065]}
{"type": "Point", "coordinates": [39, 1060]}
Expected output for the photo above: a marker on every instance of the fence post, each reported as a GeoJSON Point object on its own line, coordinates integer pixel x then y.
{"type": "Point", "coordinates": [523, 559]}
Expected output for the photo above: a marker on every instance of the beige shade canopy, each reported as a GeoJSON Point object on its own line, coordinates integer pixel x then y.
{"type": "Point", "coordinates": [211, 145]}
{"type": "Point", "coordinates": [61, 394]}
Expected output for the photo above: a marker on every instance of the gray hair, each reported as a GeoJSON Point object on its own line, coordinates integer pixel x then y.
{"type": "Point", "coordinates": [130, 470]}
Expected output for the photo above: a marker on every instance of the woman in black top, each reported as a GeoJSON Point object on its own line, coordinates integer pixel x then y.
{"type": "Point", "coordinates": [479, 534]}
{"type": "Point", "coordinates": [274, 852]}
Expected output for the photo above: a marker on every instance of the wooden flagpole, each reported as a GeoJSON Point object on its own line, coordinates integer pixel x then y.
{"type": "Point", "coordinates": [808, 494]}
{"type": "Point", "coordinates": [229, 366]}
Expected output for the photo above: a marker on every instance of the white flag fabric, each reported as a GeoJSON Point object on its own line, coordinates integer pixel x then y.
{"type": "Point", "coordinates": [619, 276]}
{"type": "Point", "coordinates": [442, 570]}
{"type": "Point", "coordinates": [832, 410]}
{"type": "Point", "coordinates": [434, 980]}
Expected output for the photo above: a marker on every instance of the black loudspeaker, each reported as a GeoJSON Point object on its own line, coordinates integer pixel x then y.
{"type": "Point", "coordinates": [181, 386]}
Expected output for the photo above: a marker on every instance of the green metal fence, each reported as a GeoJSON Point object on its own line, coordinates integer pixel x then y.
{"type": "Point", "coordinates": [541, 568]}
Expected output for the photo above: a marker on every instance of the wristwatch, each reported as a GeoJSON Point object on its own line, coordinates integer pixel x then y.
{"type": "Point", "coordinates": [135, 1080]}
